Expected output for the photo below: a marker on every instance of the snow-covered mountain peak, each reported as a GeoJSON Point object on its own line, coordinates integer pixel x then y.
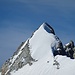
{"type": "Point", "coordinates": [47, 27]}
{"type": "Point", "coordinates": [44, 36]}
{"type": "Point", "coordinates": [35, 56]}
{"type": "Point", "coordinates": [35, 48]}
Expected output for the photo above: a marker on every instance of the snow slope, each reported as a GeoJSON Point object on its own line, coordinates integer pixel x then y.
{"type": "Point", "coordinates": [41, 44]}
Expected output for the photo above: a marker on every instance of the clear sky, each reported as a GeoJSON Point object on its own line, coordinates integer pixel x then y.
{"type": "Point", "coordinates": [19, 18]}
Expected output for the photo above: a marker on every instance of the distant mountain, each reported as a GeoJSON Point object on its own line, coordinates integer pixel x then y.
{"type": "Point", "coordinates": [35, 56]}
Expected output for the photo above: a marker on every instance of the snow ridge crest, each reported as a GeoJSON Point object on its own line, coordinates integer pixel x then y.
{"type": "Point", "coordinates": [35, 48]}
{"type": "Point", "coordinates": [35, 56]}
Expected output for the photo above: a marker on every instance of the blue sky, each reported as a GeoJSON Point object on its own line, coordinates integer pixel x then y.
{"type": "Point", "coordinates": [19, 18]}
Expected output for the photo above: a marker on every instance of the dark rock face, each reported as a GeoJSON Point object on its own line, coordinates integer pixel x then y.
{"type": "Point", "coordinates": [48, 28]}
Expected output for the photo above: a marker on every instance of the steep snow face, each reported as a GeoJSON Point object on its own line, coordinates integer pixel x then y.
{"type": "Point", "coordinates": [41, 44]}
{"type": "Point", "coordinates": [42, 41]}
{"type": "Point", "coordinates": [41, 67]}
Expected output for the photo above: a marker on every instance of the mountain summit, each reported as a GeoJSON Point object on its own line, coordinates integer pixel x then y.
{"type": "Point", "coordinates": [48, 28]}
{"type": "Point", "coordinates": [35, 56]}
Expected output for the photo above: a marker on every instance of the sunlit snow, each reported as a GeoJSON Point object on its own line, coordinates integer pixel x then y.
{"type": "Point", "coordinates": [41, 49]}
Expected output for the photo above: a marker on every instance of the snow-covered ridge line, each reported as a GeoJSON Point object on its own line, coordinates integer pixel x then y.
{"type": "Point", "coordinates": [9, 63]}
{"type": "Point", "coordinates": [20, 51]}
{"type": "Point", "coordinates": [35, 56]}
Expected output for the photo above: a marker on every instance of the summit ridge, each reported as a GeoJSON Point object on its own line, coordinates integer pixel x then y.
{"type": "Point", "coordinates": [35, 56]}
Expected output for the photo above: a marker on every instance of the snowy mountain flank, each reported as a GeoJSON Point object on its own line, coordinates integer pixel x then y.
{"type": "Point", "coordinates": [35, 56]}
